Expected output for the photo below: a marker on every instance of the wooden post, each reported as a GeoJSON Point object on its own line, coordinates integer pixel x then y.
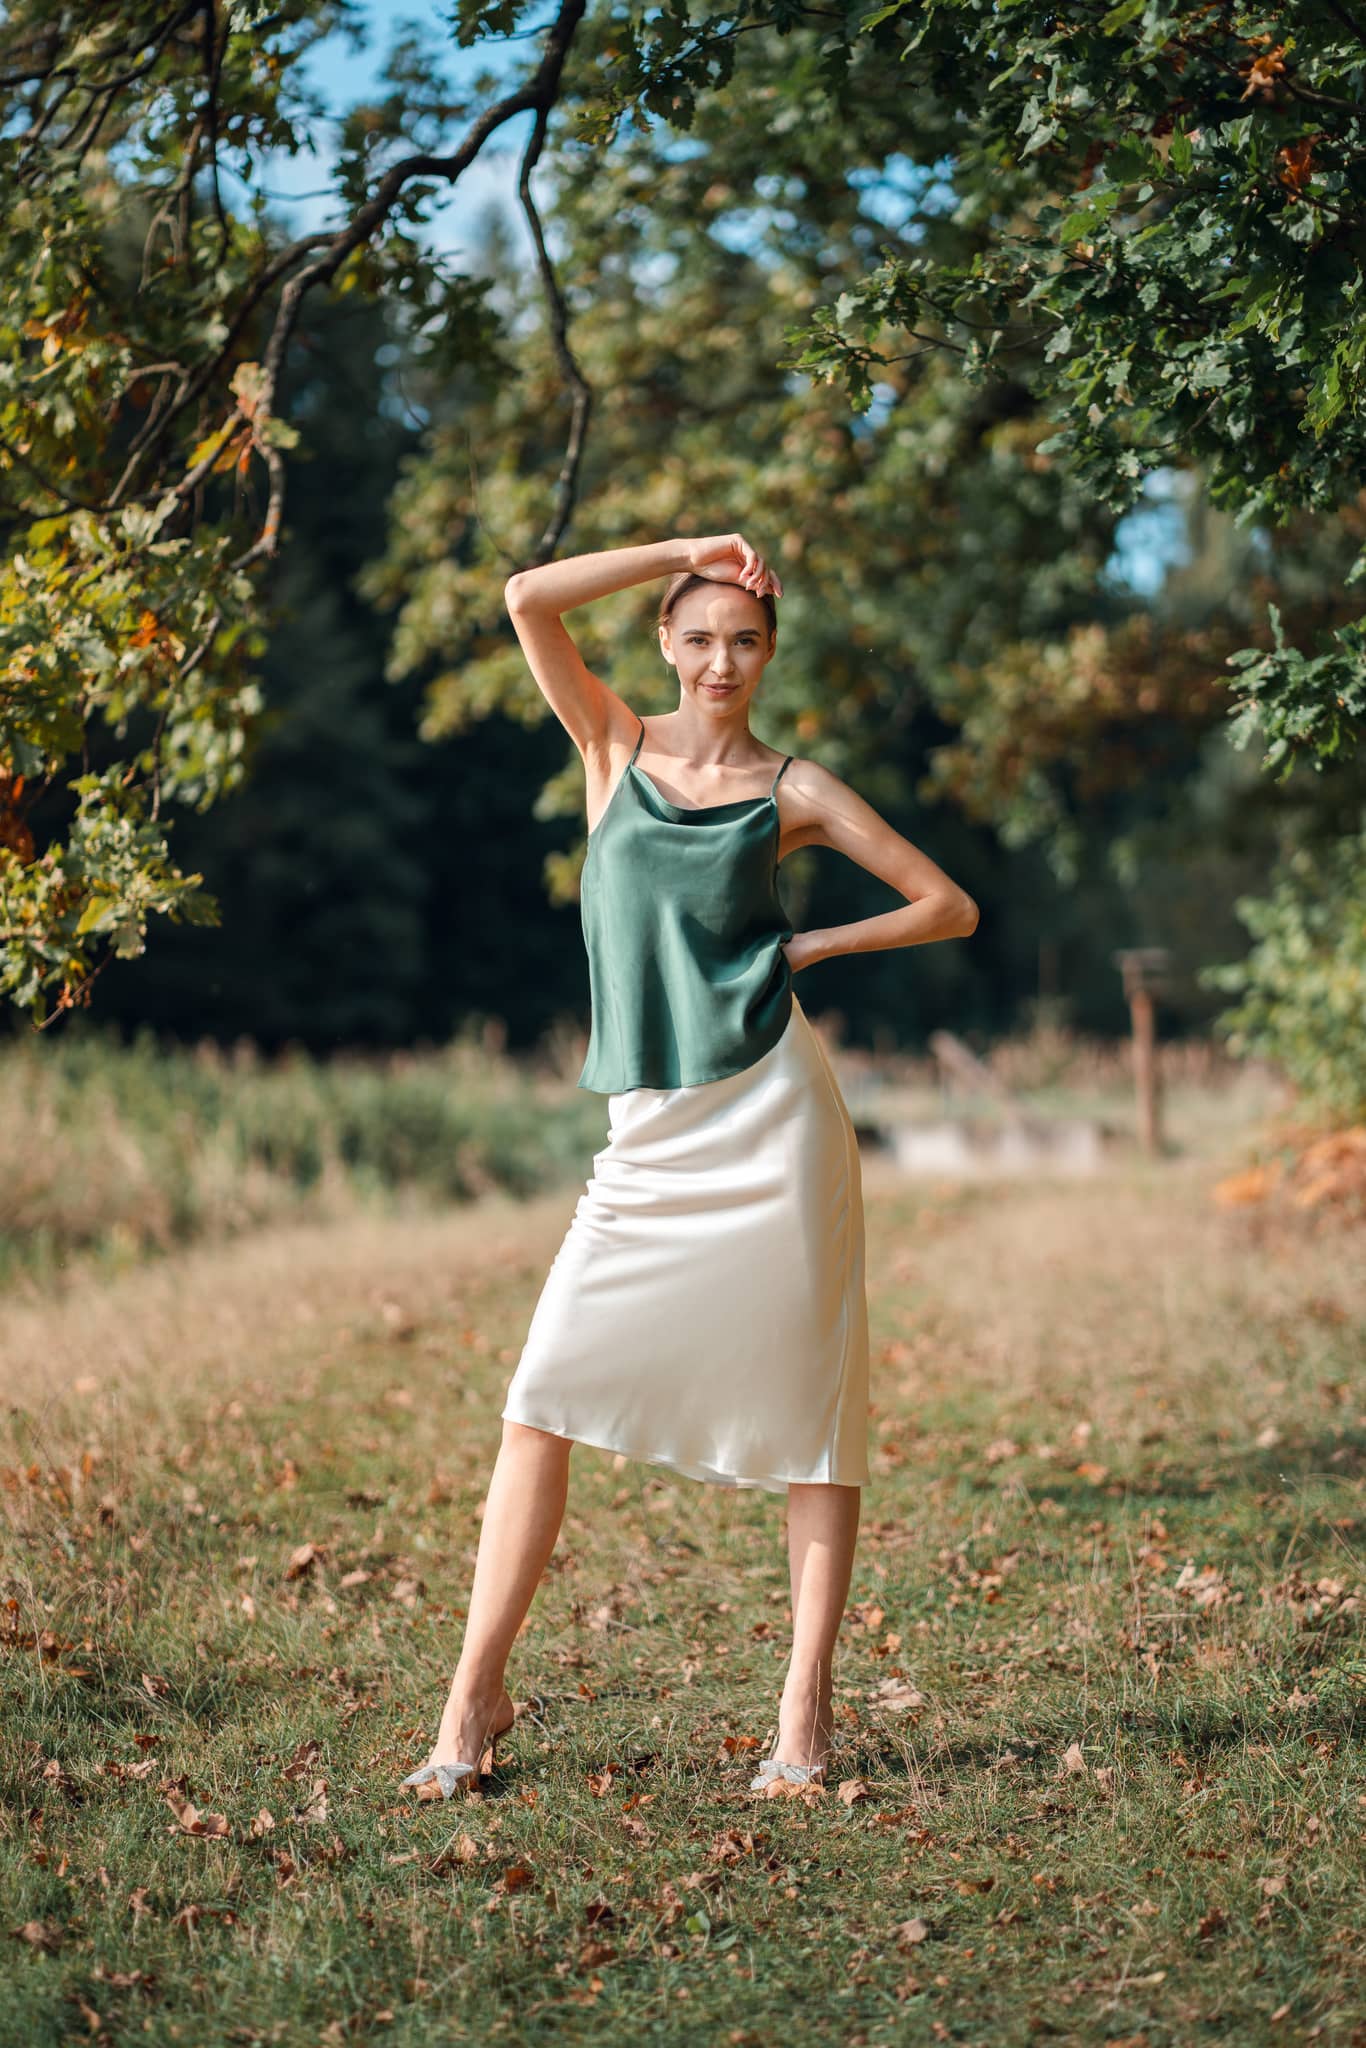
{"type": "Point", "coordinates": [1143, 968]}
{"type": "Point", "coordinates": [1145, 1068]}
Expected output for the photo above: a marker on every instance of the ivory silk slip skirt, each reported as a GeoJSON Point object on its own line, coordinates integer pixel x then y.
{"type": "Point", "coordinates": [706, 1310]}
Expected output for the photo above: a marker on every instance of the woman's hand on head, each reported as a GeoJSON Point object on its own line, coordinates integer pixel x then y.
{"type": "Point", "coordinates": [729, 558]}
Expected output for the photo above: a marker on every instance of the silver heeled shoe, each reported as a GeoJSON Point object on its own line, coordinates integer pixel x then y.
{"type": "Point", "coordinates": [450, 1777]}
{"type": "Point", "coordinates": [773, 1768]}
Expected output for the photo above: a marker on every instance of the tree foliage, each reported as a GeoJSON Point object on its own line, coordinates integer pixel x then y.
{"type": "Point", "coordinates": [1303, 984]}
{"type": "Point", "coordinates": [1174, 199]}
{"type": "Point", "coordinates": [145, 327]}
{"type": "Point", "coordinates": [923, 292]}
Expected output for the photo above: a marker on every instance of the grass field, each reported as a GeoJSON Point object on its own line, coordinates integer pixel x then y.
{"type": "Point", "coordinates": [1099, 1697]}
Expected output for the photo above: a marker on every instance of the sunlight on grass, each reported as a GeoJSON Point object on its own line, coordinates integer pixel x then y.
{"type": "Point", "coordinates": [1096, 1697]}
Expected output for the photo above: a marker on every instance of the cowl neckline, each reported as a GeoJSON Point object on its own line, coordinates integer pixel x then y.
{"type": "Point", "coordinates": [739, 803]}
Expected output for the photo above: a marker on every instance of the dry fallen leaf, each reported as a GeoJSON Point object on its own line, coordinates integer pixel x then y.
{"type": "Point", "coordinates": [304, 1559]}
{"type": "Point", "coordinates": [316, 1809]}
{"type": "Point", "coordinates": [735, 1745]}
{"type": "Point", "coordinates": [898, 1695]}
{"type": "Point", "coordinates": [191, 1821]}
{"type": "Point", "coordinates": [44, 1934]}
{"type": "Point", "coordinates": [910, 1932]}
{"type": "Point", "coordinates": [303, 1759]}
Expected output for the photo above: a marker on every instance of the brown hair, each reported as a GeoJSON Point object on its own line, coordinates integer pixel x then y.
{"type": "Point", "coordinates": [688, 579]}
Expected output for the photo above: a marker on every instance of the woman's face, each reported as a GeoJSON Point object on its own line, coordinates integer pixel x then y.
{"type": "Point", "coordinates": [718, 640]}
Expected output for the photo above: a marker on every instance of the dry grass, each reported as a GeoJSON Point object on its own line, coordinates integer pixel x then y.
{"type": "Point", "coordinates": [1099, 1690]}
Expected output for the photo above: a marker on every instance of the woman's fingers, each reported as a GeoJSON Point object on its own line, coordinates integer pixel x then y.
{"type": "Point", "coordinates": [752, 572]}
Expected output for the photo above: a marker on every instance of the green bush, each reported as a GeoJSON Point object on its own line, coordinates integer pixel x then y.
{"type": "Point", "coordinates": [1303, 983]}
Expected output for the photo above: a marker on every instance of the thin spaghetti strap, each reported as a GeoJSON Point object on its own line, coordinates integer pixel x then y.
{"type": "Point", "coordinates": [781, 772]}
{"type": "Point", "coordinates": [639, 737]}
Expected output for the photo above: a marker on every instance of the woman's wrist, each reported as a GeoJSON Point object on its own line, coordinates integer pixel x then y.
{"type": "Point", "coordinates": [578, 579]}
{"type": "Point", "coordinates": [806, 949]}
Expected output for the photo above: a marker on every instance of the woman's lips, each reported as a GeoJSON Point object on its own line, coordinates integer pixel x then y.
{"type": "Point", "coordinates": [719, 689]}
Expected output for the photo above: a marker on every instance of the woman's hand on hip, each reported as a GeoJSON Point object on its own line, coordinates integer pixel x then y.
{"type": "Point", "coordinates": [801, 950]}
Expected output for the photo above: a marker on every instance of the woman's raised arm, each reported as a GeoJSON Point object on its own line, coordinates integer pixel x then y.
{"type": "Point", "coordinates": [589, 710]}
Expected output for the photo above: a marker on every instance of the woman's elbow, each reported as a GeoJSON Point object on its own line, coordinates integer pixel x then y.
{"type": "Point", "coordinates": [967, 917]}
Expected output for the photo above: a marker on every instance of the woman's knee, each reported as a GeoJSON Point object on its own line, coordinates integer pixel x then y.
{"type": "Point", "coordinates": [544, 1441]}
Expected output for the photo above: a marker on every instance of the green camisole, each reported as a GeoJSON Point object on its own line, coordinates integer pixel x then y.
{"type": "Point", "coordinates": [685, 931]}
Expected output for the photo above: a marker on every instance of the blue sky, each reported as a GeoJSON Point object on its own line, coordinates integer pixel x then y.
{"type": "Point", "coordinates": [343, 75]}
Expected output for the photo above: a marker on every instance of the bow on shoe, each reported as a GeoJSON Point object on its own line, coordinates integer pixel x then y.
{"type": "Point", "coordinates": [796, 1774]}
{"type": "Point", "coordinates": [447, 1776]}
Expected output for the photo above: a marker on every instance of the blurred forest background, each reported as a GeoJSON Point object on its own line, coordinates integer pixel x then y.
{"type": "Point", "coordinates": [1067, 511]}
{"type": "Point", "coordinates": [1028, 682]}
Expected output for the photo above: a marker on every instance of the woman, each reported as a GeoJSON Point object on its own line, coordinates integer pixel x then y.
{"type": "Point", "coordinates": [706, 1310]}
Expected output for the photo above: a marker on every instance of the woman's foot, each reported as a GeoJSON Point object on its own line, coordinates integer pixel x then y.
{"type": "Point", "coordinates": [805, 1722]}
{"type": "Point", "coordinates": [469, 1723]}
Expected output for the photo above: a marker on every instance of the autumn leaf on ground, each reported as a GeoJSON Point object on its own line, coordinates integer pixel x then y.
{"type": "Point", "coordinates": [868, 1613]}
{"type": "Point", "coordinates": [305, 1559]}
{"type": "Point", "coordinates": [303, 1759]}
{"type": "Point", "coordinates": [44, 1934]}
{"type": "Point", "coordinates": [897, 1695]}
{"type": "Point", "coordinates": [316, 1808]}
{"type": "Point", "coordinates": [190, 1820]}
{"type": "Point", "coordinates": [811, 1790]}
{"type": "Point", "coordinates": [1205, 1588]}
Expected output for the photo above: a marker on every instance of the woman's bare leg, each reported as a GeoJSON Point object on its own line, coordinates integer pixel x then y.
{"type": "Point", "coordinates": [523, 1509]}
{"type": "Point", "coordinates": [822, 1531]}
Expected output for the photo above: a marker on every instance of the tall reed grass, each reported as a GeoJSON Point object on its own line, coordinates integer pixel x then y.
{"type": "Point", "coordinates": [117, 1151]}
